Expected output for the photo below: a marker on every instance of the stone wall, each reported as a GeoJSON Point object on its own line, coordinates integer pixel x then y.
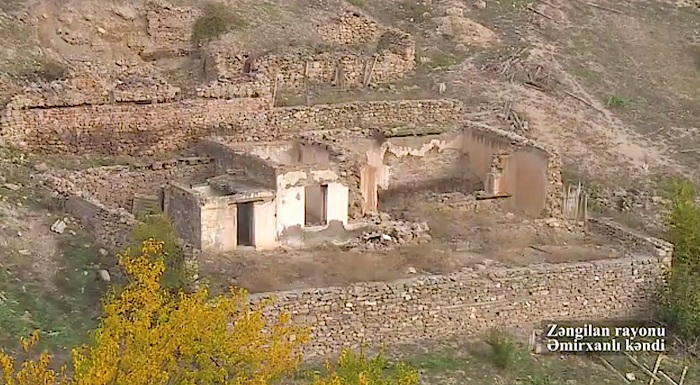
{"type": "Point", "coordinates": [620, 234]}
{"type": "Point", "coordinates": [126, 129]}
{"type": "Point", "coordinates": [443, 112]}
{"type": "Point", "coordinates": [111, 228]}
{"type": "Point", "coordinates": [169, 28]}
{"type": "Point", "coordinates": [393, 59]}
{"type": "Point", "coordinates": [98, 196]}
{"type": "Point", "coordinates": [115, 186]}
{"type": "Point", "coordinates": [184, 211]}
{"type": "Point", "coordinates": [138, 129]}
{"type": "Point", "coordinates": [349, 28]}
{"type": "Point", "coordinates": [469, 302]}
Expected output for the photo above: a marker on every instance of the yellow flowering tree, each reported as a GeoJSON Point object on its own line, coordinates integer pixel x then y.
{"type": "Point", "coordinates": [152, 336]}
{"type": "Point", "coordinates": [33, 370]}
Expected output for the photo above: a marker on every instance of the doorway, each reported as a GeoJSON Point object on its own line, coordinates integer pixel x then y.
{"type": "Point", "coordinates": [245, 224]}
{"type": "Point", "coordinates": [315, 205]}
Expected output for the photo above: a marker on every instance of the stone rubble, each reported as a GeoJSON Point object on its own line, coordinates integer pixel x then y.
{"type": "Point", "coordinates": [386, 234]}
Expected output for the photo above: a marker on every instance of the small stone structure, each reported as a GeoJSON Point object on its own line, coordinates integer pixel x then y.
{"type": "Point", "coordinates": [264, 192]}
{"type": "Point", "coordinates": [349, 28]}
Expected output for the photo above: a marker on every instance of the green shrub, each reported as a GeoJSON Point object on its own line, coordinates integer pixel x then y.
{"type": "Point", "coordinates": [216, 20]}
{"type": "Point", "coordinates": [680, 294]}
{"type": "Point", "coordinates": [158, 226]}
{"type": "Point", "coordinates": [358, 369]}
{"type": "Point", "coordinates": [503, 349]}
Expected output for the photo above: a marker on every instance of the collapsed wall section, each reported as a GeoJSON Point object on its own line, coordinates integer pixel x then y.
{"type": "Point", "coordinates": [102, 198]}
{"type": "Point", "coordinates": [517, 166]}
{"type": "Point", "coordinates": [393, 59]}
{"type": "Point", "coordinates": [169, 29]}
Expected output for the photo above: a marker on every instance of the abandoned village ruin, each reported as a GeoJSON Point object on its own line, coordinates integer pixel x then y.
{"type": "Point", "coordinates": [246, 174]}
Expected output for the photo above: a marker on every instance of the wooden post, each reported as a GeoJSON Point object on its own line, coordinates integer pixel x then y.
{"type": "Point", "coordinates": [340, 75]}
{"type": "Point", "coordinates": [306, 82]}
{"type": "Point", "coordinates": [656, 368]}
{"type": "Point", "coordinates": [274, 91]}
{"type": "Point", "coordinates": [368, 75]}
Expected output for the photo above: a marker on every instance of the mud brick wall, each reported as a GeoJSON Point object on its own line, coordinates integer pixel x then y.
{"type": "Point", "coordinates": [365, 114]}
{"type": "Point", "coordinates": [468, 303]}
{"type": "Point", "coordinates": [395, 57]}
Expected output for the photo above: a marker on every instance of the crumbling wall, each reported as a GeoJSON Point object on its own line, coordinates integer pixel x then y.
{"type": "Point", "coordinates": [115, 186]}
{"type": "Point", "coordinates": [516, 162]}
{"type": "Point", "coordinates": [620, 234]}
{"type": "Point", "coordinates": [469, 302]}
{"type": "Point", "coordinates": [426, 163]}
{"type": "Point", "coordinates": [349, 28]}
{"type": "Point", "coordinates": [184, 210]}
{"type": "Point", "coordinates": [169, 28]}
{"type": "Point", "coordinates": [394, 58]}
{"type": "Point", "coordinates": [111, 227]}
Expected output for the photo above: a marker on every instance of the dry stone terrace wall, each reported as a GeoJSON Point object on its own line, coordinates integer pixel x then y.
{"type": "Point", "coordinates": [468, 303]}
{"type": "Point", "coordinates": [617, 233]}
{"type": "Point", "coordinates": [138, 129]}
{"type": "Point", "coordinates": [394, 58]}
{"type": "Point", "coordinates": [443, 112]}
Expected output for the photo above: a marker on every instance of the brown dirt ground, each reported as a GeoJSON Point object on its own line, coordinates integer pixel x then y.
{"type": "Point", "coordinates": [460, 240]}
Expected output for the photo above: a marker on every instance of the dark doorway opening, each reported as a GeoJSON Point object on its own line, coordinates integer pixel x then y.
{"type": "Point", "coordinates": [245, 223]}
{"type": "Point", "coordinates": [315, 205]}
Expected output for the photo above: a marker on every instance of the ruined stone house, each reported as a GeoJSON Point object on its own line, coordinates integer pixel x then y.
{"type": "Point", "coordinates": [266, 194]}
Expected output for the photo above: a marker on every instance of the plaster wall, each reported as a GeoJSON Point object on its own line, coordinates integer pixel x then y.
{"type": "Point", "coordinates": [290, 208]}
{"type": "Point", "coordinates": [337, 203]}
{"type": "Point", "coordinates": [265, 222]}
{"type": "Point", "coordinates": [219, 224]}
{"type": "Point", "coordinates": [529, 182]}
{"type": "Point", "coordinates": [480, 149]}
